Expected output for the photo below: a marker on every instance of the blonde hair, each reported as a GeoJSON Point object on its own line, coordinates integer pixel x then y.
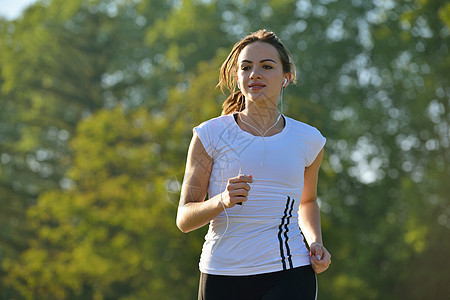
{"type": "Point", "coordinates": [227, 77]}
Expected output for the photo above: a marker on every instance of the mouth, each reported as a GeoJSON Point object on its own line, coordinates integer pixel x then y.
{"type": "Point", "coordinates": [256, 86]}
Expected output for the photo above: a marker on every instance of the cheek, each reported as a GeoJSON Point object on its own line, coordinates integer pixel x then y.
{"type": "Point", "coordinates": [241, 79]}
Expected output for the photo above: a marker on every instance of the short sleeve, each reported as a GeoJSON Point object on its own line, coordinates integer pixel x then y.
{"type": "Point", "coordinates": [317, 142]}
{"type": "Point", "coordinates": [203, 132]}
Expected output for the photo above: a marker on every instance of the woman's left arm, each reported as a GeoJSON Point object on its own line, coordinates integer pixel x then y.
{"type": "Point", "coordinates": [309, 218]}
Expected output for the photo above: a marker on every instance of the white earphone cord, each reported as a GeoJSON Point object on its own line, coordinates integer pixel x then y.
{"type": "Point", "coordinates": [240, 171]}
{"type": "Point", "coordinates": [240, 166]}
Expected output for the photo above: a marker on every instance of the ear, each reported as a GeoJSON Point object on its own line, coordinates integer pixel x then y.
{"type": "Point", "coordinates": [287, 79]}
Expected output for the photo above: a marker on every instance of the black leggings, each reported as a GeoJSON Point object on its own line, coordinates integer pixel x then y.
{"type": "Point", "coordinates": [296, 284]}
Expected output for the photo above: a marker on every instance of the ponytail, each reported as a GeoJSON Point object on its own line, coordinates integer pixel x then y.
{"type": "Point", "coordinates": [235, 102]}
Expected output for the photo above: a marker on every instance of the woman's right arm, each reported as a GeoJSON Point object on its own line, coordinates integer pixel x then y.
{"type": "Point", "coordinates": [193, 211]}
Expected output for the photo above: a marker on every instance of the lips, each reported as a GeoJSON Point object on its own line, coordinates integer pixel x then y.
{"type": "Point", "coordinates": [256, 86]}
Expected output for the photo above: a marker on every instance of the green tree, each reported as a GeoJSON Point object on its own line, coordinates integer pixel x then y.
{"type": "Point", "coordinates": [373, 78]}
{"type": "Point", "coordinates": [59, 63]}
{"type": "Point", "coordinates": [108, 235]}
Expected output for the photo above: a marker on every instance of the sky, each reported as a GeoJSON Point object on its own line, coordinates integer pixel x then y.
{"type": "Point", "coordinates": [11, 9]}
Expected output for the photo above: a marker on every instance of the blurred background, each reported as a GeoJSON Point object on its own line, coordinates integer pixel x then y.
{"type": "Point", "coordinates": [98, 99]}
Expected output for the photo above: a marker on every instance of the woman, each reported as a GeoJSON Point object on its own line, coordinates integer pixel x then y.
{"type": "Point", "coordinates": [259, 169]}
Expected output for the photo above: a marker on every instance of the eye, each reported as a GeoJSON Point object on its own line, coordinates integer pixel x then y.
{"type": "Point", "coordinates": [245, 68]}
{"type": "Point", "coordinates": [267, 67]}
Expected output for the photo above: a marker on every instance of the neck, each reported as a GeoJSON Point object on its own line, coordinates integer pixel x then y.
{"type": "Point", "coordinates": [261, 120]}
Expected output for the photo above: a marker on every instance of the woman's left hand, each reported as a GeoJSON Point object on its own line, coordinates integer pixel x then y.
{"type": "Point", "coordinates": [320, 257]}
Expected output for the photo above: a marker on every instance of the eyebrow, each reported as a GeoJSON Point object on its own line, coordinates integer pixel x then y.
{"type": "Point", "coordinates": [261, 61]}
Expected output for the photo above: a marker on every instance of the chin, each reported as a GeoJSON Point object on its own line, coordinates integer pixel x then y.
{"type": "Point", "coordinates": [261, 97]}
{"type": "Point", "coordinates": [256, 97]}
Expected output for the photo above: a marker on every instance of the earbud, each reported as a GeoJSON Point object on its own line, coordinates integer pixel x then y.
{"type": "Point", "coordinates": [285, 81]}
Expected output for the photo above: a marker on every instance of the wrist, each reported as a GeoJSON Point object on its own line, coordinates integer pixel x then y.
{"type": "Point", "coordinates": [220, 205]}
{"type": "Point", "coordinates": [319, 242]}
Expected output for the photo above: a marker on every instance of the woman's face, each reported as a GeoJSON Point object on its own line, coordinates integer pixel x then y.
{"type": "Point", "coordinates": [260, 72]}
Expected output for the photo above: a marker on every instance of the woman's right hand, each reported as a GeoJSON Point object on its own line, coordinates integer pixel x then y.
{"type": "Point", "coordinates": [237, 190]}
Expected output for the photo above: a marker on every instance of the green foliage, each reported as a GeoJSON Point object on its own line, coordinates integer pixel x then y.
{"type": "Point", "coordinates": [98, 101]}
{"type": "Point", "coordinates": [104, 235]}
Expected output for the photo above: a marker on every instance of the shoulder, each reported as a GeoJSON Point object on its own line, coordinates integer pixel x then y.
{"type": "Point", "coordinates": [309, 137]}
{"type": "Point", "coordinates": [215, 123]}
{"type": "Point", "coordinates": [211, 130]}
{"type": "Point", "coordinates": [303, 128]}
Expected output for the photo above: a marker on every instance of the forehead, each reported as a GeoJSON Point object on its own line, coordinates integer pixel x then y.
{"type": "Point", "coordinates": [258, 51]}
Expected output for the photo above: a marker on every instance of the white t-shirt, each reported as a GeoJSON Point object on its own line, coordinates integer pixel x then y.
{"type": "Point", "coordinates": [263, 234]}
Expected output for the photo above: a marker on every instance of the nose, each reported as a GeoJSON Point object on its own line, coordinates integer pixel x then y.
{"type": "Point", "coordinates": [254, 75]}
